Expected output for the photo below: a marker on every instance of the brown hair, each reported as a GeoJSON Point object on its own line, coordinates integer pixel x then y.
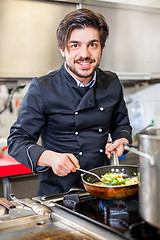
{"type": "Point", "coordinates": [81, 18]}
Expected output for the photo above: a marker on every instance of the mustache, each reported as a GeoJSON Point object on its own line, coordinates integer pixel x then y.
{"type": "Point", "coordinates": [84, 60]}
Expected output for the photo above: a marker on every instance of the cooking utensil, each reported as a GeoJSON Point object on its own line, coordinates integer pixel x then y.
{"type": "Point", "coordinates": [93, 174]}
{"type": "Point", "coordinates": [114, 161]}
{"type": "Point", "coordinates": [149, 191]}
{"type": "Point", "coordinates": [6, 203]}
{"type": "Point", "coordinates": [38, 208]}
{"type": "Point", "coordinates": [110, 192]}
{"type": "Point", "coordinates": [13, 211]}
{"type": "Point", "coordinates": [57, 195]}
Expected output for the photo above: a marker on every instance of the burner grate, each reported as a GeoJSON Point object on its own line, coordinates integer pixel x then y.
{"type": "Point", "coordinates": [119, 216]}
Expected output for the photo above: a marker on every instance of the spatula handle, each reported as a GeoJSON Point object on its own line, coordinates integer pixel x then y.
{"type": "Point", "coordinates": [6, 203]}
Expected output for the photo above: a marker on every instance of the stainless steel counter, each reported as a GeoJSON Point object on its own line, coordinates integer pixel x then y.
{"type": "Point", "coordinates": [60, 225]}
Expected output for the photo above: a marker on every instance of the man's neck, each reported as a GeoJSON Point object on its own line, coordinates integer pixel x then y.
{"type": "Point", "coordinates": [83, 83]}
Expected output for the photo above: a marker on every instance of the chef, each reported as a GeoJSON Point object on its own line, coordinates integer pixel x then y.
{"type": "Point", "coordinates": [72, 110]}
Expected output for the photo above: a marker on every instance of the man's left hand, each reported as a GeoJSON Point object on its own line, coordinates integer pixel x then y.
{"type": "Point", "coordinates": [116, 145]}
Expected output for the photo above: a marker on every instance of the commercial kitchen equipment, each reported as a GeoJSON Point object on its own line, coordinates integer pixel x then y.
{"type": "Point", "coordinates": [78, 215]}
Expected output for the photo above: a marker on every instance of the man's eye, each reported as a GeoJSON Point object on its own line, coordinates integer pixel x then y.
{"type": "Point", "coordinates": [93, 44]}
{"type": "Point", "coordinates": [74, 46]}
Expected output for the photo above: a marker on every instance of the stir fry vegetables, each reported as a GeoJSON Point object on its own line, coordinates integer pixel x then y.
{"type": "Point", "coordinates": [116, 179]}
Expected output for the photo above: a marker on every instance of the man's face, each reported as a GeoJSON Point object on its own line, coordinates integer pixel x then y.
{"type": "Point", "coordinates": [83, 53]}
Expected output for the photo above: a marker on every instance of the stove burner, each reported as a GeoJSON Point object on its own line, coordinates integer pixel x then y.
{"type": "Point", "coordinates": [119, 216]}
{"type": "Point", "coordinates": [115, 206]}
{"type": "Point", "coordinates": [115, 214]}
{"type": "Point", "coordinates": [110, 213]}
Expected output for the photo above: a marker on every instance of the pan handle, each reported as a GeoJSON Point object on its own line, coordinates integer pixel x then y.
{"type": "Point", "coordinates": [133, 149]}
{"type": "Point", "coordinates": [114, 158]}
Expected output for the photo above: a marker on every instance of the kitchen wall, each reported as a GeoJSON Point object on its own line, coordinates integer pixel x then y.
{"type": "Point", "coordinates": [9, 115]}
{"type": "Point", "coordinates": [144, 3]}
{"type": "Point", "coordinates": [134, 42]}
{"type": "Point", "coordinates": [143, 106]}
{"type": "Point", "coordinates": [28, 42]}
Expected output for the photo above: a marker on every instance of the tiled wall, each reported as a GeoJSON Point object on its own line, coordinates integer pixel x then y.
{"type": "Point", "coordinates": [144, 107]}
{"type": "Point", "coordinates": [9, 116]}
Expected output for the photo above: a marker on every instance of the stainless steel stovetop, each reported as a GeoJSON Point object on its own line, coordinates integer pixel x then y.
{"type": "Point", "coordinates": [74, 216]}
{"type": "Point", "coordinates": [23, 223]}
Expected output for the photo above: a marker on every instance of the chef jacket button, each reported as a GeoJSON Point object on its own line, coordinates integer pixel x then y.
{"type": "Point", "coordinates": [76, 113]}
{"type": "Point", "coordinates": [76, 133]}
{"type": "Point", "coordinates": [101, 150]}
{"type": "Point", "coordinates": [80, 153]}
{"type": "Point", "coordinates": [100, 129]}
{"type": "Point", "coordinates": [101, 109]}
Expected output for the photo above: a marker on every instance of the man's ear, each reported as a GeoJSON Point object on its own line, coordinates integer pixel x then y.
{"type": "Point", "coordinates": [62, 52]}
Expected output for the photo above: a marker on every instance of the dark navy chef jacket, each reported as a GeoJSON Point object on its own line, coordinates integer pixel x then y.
{"type": "Point", "coordinates": [69, 119]}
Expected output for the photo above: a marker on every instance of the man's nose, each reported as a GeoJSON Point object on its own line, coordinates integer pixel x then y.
{"type": "Point", "coordinates": [84, 52]}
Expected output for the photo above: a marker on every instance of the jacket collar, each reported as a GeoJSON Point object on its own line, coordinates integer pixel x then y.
{"type": "Point", "coordinates": [88, 100]}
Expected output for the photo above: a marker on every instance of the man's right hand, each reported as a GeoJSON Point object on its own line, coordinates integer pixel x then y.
{"type": "Point", "coordinates": [61, 163]}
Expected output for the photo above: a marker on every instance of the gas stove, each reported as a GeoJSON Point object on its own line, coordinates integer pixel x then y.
{"type": "Point", "coordinates": [80, 216]}
{"type": "Point", "coordinates": [121, 217]}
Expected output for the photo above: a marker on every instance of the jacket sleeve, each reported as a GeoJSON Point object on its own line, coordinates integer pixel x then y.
{"type": "Point", "coordinates": [120, 124]}
{"type": "Point", "coordinates": [25, 132]}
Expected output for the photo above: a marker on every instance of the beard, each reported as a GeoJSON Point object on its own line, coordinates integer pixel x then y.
{"type": "Point", "coordinates": [73, 70]}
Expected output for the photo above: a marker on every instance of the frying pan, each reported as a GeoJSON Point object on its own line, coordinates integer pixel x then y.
{"type": "Point", "coordinates": [111, 192]}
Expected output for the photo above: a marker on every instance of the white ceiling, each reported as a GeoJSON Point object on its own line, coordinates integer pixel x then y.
{"type": "Point", "coordinates": [149, 3]}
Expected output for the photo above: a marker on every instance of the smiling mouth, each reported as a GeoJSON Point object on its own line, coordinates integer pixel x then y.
{"type": "Point", "coordinates": [82, 73]}
{"type": "Point", "coordinates": [84, 65]}
{"type": "Point", "coordinates": [85, 61]}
